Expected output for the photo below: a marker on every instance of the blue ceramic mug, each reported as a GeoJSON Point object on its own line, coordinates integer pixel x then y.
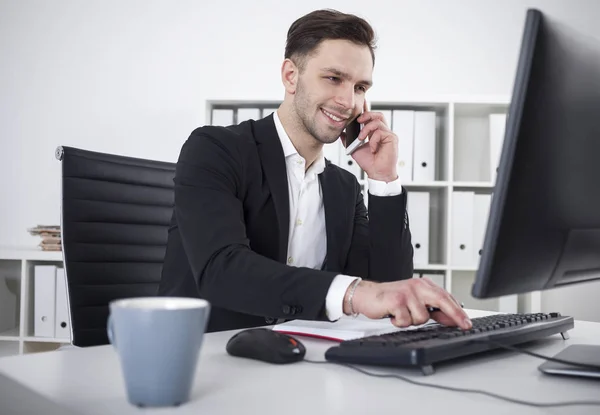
{"type": "Point", "coordinates": [158, 340]}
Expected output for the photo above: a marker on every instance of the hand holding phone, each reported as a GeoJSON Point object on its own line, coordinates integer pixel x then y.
{"type": "Point", "coordinates": [380, 156]}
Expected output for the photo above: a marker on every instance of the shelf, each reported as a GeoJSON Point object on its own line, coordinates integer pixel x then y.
{"type": "Point", "coordinates": [46, 340]}
{"type": "Point", "coordinates": [29, 253]}
{"type": "Point", "coordinates": [464, 268]}
{"type": "Point", "coordinates": [430, 267]}
{"type": "Point", "coordinates": [40, 347]}
{"type": "Point", "coordinates": [10, 334]}
{"type": "Point", "coordinates": [426, 105]}
{"type": "Point", "coordinates": [479, 185]}
{"type": "Point", "coordinates": [10, 348]}
{"type": "Point", "coordinates": [479, 109]}
{"type": "Point", "coordinates": [433, 185]}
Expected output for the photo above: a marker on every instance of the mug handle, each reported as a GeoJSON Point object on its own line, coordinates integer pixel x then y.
{"type": "Point", "coordinates": [110, 331]}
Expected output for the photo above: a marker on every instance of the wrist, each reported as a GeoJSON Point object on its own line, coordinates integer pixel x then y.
{"type": "Point", "coordinates": [383, 177]}
{"type": "Point", "coordinates": [353, 297]}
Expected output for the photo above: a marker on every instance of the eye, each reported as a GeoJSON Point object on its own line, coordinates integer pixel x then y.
{"type": "Point", "coordinates": [333, 79]}
{"type": "Point", "coordinates": [361, 88]}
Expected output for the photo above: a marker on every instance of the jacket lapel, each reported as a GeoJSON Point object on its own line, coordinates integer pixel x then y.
{"type": "Point", "coordinates": [273, 163]}
{"type": "Point", "coordinates": [337, 209]}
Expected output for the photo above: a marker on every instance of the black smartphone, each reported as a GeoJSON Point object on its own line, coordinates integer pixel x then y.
{"type": "Point", "coordinates": [352, 141]}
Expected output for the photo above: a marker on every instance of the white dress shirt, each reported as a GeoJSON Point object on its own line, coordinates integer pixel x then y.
{"type": "Point", "coordinates": [307, 241]}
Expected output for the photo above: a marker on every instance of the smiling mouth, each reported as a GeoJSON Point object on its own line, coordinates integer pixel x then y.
{"type": "Point", "coordinates": [333, 117]}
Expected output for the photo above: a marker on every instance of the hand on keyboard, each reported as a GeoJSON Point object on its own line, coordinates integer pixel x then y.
{"type": "Point", "coordinates": [407, 301]}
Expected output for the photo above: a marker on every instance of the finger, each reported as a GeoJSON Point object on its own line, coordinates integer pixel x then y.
{"type": "Point", "coordinates": [376, 139]}
{"type": "Point", "coordinates": [437, 297]}
{"type": "Point", "coordinates": [430, 282]}
{"type": "Point", "coordinates": [456, 314]}
{"type": "Point", "coordinates": [365, 106]}
{"type": "Point", "coordinates": [443, 319]}
{"type": "Point", "coordinates": [426, 283]}
{"type": "Point", "coordinates": [370, 127]}
{"type": "Point", "coordinates": [401, 317]}
{"type": "Point", "coordinates": [433, 284]}
{"type": "Point", "coordinates": [366, 117]}
{"type": "Point", "coordinates": [420, 314]}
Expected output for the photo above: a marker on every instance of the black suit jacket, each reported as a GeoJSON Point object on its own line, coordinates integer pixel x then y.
{"type": "Point", "coordinates": [229, 234]}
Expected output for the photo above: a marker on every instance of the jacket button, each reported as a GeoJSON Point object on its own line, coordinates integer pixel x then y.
{"type": "Point", "coordinates": [286, 309]}
{"type": "Point", "coordinates": [270, 320]}
{"type": "Point", "coordinates": [297, 309]}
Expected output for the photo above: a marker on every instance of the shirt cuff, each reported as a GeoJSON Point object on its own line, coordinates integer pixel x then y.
{"type": "Point", "coordinates": [334, 301]}
{"type": "Point", "coordinates": [381, 188]}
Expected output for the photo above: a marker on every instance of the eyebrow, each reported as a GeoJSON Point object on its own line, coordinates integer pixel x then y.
{"type": "Point", "coordinates": [345, 75]}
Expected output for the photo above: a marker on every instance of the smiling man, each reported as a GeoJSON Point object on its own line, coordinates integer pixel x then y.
{"type": "Point", "coordinates": [265, 228]}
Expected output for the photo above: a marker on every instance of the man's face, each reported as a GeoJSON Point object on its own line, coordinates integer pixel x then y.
{"type": "Point", "coordinates": [331, 88]}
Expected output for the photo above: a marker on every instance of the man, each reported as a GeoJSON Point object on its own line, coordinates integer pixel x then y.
{"type": "Point", "coordinates": [265, 228]}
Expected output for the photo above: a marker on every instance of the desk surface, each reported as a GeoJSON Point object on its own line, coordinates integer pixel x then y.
{"type": "Point", "coordinates": [88, 381]}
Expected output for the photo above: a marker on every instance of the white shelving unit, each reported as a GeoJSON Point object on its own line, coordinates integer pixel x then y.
{"type": "Point", "coordinates": [462, 164]}
{"type": "Point", "coordinates": [17, 300]}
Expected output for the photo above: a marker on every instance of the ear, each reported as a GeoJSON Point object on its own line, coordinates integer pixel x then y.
{"type": "Point", "coordinates": [289, 76]}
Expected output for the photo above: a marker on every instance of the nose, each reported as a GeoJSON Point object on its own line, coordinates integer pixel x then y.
{"type": "Point", "coordinates": [345, 97]}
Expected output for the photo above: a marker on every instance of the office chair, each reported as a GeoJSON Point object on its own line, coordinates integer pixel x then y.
{"type": "Point", "coordinates": [115, 215]}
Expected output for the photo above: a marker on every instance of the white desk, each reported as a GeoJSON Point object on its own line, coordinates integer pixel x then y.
{"type": "Point", "coordinates": [88, 381]}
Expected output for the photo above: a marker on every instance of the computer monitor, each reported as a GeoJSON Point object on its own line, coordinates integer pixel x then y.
{"type": "Point", "coordinates": [543, 228]}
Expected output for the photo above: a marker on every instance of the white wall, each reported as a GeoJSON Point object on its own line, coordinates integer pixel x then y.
{"type": "Point", "coordinates": [132, 77]}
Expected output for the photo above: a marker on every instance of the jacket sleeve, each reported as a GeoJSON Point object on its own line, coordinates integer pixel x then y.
{"type": "Point", "coordinates": [209, 214]}
{"type": "Point", "coordinates": [381, 248]}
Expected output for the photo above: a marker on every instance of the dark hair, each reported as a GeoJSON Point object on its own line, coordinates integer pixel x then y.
{"type": "Point", "coordinates": [306, 33]}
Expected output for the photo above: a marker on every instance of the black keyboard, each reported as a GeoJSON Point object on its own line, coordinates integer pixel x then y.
{"type": "Point", "coordinates": [435, 343]}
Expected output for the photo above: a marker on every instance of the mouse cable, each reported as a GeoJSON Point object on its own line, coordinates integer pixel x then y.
{"type": "Point", "coordinates": [474, 391]}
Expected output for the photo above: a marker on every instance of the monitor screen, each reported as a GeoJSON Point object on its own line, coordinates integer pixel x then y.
{"type": "Point", "coordinates": [543, 228]}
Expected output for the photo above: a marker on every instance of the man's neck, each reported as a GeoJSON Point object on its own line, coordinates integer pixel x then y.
{"type": "Point", "coordinates": [304, 143]}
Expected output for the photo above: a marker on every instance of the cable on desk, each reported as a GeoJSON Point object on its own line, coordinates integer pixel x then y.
{"type": "Point", "coordinates": [550, 359]}
{"type": "Point", "coordinates": [479, 391]}
{"type": "Point", "coordinates": [465, 390]}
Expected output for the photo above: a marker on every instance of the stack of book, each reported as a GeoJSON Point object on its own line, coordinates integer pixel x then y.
{"type": "Point", "coordinates": [50, 237]}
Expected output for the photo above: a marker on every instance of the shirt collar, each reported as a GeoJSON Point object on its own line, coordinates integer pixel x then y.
{"type": "Point", "coordinates": [289, 150]}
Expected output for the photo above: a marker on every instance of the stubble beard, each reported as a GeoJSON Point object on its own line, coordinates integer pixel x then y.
{"type": "Point", "coordinates": [303, 108]}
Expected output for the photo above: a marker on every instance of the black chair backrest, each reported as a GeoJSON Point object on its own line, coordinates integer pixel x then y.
{"type": "Point", "coordinates": [116, 212]}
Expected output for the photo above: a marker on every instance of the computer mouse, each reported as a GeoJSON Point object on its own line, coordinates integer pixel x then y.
{"type": "Point", "coordinates": [266, 345]}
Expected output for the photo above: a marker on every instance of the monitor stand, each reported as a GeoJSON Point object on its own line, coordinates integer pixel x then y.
{"type": "Point", "coordinates": [579, 353]}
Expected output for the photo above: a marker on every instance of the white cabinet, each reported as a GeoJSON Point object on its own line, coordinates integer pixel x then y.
{"type": "Point", "coordinates": [17, 300]}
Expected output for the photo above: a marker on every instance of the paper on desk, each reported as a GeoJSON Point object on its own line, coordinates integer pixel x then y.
{"type": "Point", "coordinates": [346, 328]}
